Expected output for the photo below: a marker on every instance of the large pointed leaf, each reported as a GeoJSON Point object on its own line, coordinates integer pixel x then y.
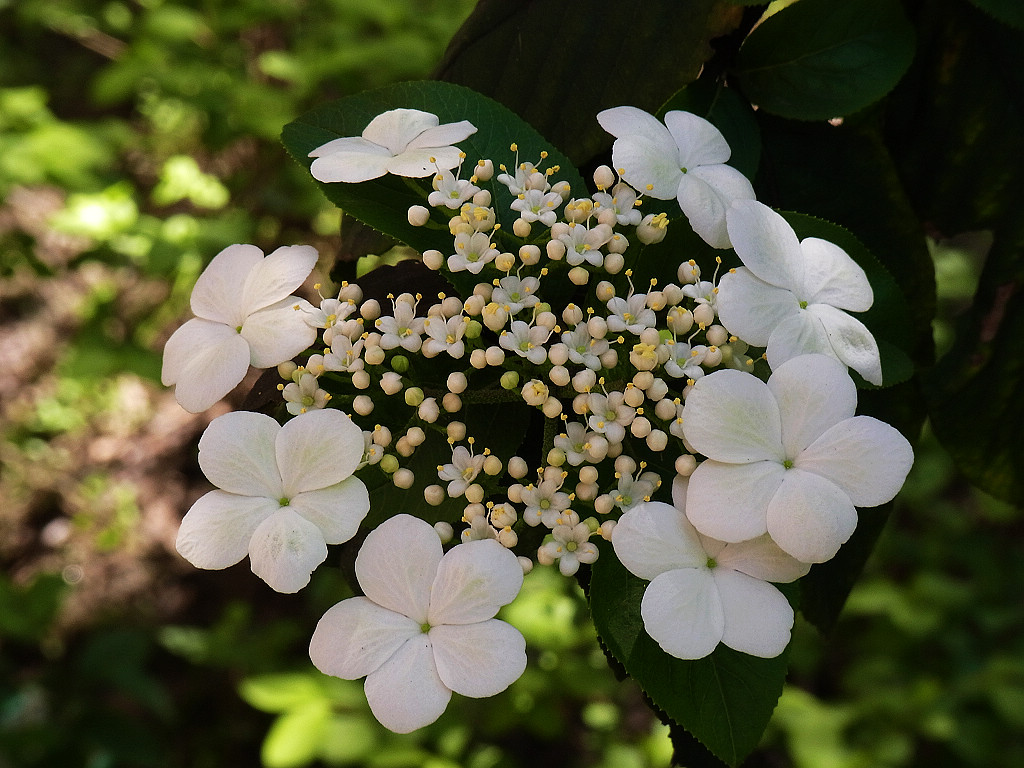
{"type": "Point", "coordinates": [956, 132]}
{"type": "Point", "coordinates": [724, 700]}
{"type": "Point", "coordinates": [818, 59]}
{"type": "Point", "coordinates": [558, 64]}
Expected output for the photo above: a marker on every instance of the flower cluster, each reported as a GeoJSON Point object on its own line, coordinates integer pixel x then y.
{"type": "Point", "coordinates": [641, 389]}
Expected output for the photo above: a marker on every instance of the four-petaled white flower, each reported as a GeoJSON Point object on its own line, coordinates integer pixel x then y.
{"type": "Point", "coordinates": [570, 546]}
{"type": "Point", "coordinates": [684, 158]}
{"type": "Point", "coordinates": [472, 252]}
{"type": "Point", "coordinates": [245, 315]}
{"type": "Point", "coordinates": [791, 294]}
{"type": "Point", "coordinates": [445, 336]}
{"type": "Point", "coordinates": [404, 142]}
{"type": "Point", "coordinates": [705, 592]}
{"type": "Point", "coordinates": [426, 625]}
{"type": "Point", "coordinates": [462, 470]}
{"type": "Point", "coordinates": [788, 457]}
{"type": "Point", "coordinates": [285, 493]}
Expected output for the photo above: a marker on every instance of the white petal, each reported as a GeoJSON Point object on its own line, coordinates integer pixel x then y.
{"type": "Point", "coordinates": [481, 659]}
{"type": "Point", "coordinates": [814, 393]}
{"type": "Point", "coordinates": [705, 194]}
{"type": "Point", "coordinates": [728, 502]}
{"type": "Point", "coordinates": [396, 128]}
{"type": "Point", "coordinates": [236, 453]}
{"type": "Point", "coordinates": [285, 550]}
{"type": "Point", "coordinates": [277, 333]}
{"type": "Point", "coordinates": [318, 449]}
{"type": "Point", "coordinates": [275, 277]}
{"type": "Point", "coordinates": [867, 458]}
{"type": "Point", "coordinates": [654, 537]}
{"type": "Point", "coordinates": [831, 276]}
{"type": "Point", "coordinates": [699, 141]}
{"type": "Point", "coordinates": [799, 334]}
{"type": "Point", "coordinates": [758, 618]}
{"type": "Point", "coordinates": [216, 531]}
{"type": "Point", "coordinates": [417, 163]}
{"type": "Point", "coordinates": [765, 243]}
{"type": "Point", "coordinates": [351, 167]}
{"type": "Point", "coordinates": [397, 563]}
{"type": "Point", "coordinates": [679, 486]}
{"type": "Point", "coordinates": [750, 308]}
{"type": "Point", "coordinates": [443, 135]}
{"type": "Point", "coordinates": [218, 291]}
{"type": "Point", "coordinates": [642, 162]}
{"type": "Point", "coordinates": [731, 416]}
{"type": "Point", "coordinates": [810, 517]}
{"type": "Point", "coordinates": [682, 611]}
{"type": "Point", "coordinates": [355, 145]}
{"type": "Point", "coordinates": [763, 559]}
{"type": "Point", "coordinates": [851, 341]}
{"type": "Point", "coordinates": [473, 581]}
{"type": "Point", "coordinates": [356, 636]}
{"type": "Point", "coordinates": [337, 510]}
{"type": "Point", "coordinates": [406, 692]}
{"type": "Point", "coordinates": [204, 360]}
{"type": "Point", "coordinates": [623, 122]}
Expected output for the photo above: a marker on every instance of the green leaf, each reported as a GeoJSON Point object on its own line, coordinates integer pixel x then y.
{"type": "Point", "coordinates": [558, 64]}
{"type": "Point", "coordinates": [295, 738]}
{"type": "Point", "coordinates": [955, 131]}
{"type": "Point", "coordinates": [724, 700]}
{"type": "Point", "coordinates": [1007, 11]}
{"type": "Point", "coordinates": [383, 203]}
{"type": "Point", "coordinates": [280, 692]}
{"type": "Point", "coordinates": [819, 59]}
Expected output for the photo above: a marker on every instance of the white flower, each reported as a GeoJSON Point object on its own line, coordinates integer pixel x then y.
{"type": "Point", "coordinates": [537, 205]}
{"type": "Point", "coordinates": [450, 192]}
{"type": "Point", "coordinates": [705, 592]}
{"type": "Point", "coordinates": [472, 252]}
{"type": "Point", "coordinates": [584, 244]}
{"type": "Point", "coordinates": [683, 361]}
{"type": "Point", "coordinates": [571, 548]}
{"type": "Point", "coordinates": [405, 142]}
{"type": "Point", "coordinates": [630, 314]}
{"type": "Point", "coordinates": [683, 158]}
{"type": "Point", "coordinates": [545, 502]}
{"type": "Point", "coordinates": [403, 329]}
{"type": "Point", "coordinates": [426, 625]}
{"type": "Point", "coordinates": [790, 295]}
{"type": "Point", "coordinates": [285, 493]}
{"type": "Point", "coordinates": [245, 315]}
{"type": "Point", "coordinates": [788, 457]}
{"type": "Point", "coordinates": [623, 202]}
{"type": "Point", "coordinates": [445, 336]}
{"type": "Point", "coordinates": [305, 395]}
{"type": "Point", "coordinates": [462, 470]}
{"type": "Point", "coordinates": [516, 293]}
{"type": "Point", "coordinates": [583, 349]}
{"type": "Point", "coordinates": [526, 341]}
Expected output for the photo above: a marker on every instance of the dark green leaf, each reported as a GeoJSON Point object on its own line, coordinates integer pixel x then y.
{"type": "Point", "coordinates": [819, 59]}
{"type": "Point", "coordinates": [955, 130]}
{"type": "Point", "coordinates": [558, 64]}
{"type": "Point", "coordinates": [724, 700]}
{"type": "Point", "coordinates": [1007, 11]}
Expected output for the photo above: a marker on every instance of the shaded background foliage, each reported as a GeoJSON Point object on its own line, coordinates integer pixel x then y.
{"type": "Point", "coordinates": [139, 138]}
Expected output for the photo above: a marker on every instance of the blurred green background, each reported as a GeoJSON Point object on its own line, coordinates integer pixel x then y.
{"type": "Point", "coordinates": [137, 139]}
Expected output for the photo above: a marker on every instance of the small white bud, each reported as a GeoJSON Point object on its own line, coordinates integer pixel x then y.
{"type": "Point", "coordinates": [521, 228]}
{"type": "Point", "coordinates": [526, 564]}
{"type": "Point", "coordinates": [495, 356]}
{"type": "Point", "coordinates": [361, 380]}
{"type": "Point", "coordinates": [363, 405]}
{"type": "Point", "coordinates": [657, 440]}
{"type": "Point", "coordinates": [434, 495]}
{"type": "Point", "coordinates": [640, 426]}
{"type": "Point", "coordinates": [456, 430]}
{"type": "Point", "coordinates": [457, 382]}
{"type": "Point", "coordinates": [625, 465]}
{"type": "Point", "coordinates": [286, 369]}
{"type": "Point", "coordinates": [572, 315]}
{"type": "Point", "coordinates": [428, 410]}
{"type": "Point", "coordinates": [597, 327]}
{"type": "Point", "coordinates": [633, 397]}
{"type": "Point", "coordinates": [716, 335]}
{"type": "Point", "coordinates": [614, 262]}
{"type": "Point", "coordinates": [555, 249]}
{"type": "Point", "coordinates": [552, 407]}
{"type": "Point", "coordinates": [451, 403]}
{"type": "Point", "coordinates": [374, 355]}
{"type": "Point", "coordinates": [517, 467]}
{"type": "Point", "coordinates": [403, 478]}
{"type": "Point", "coordinates": [529, 255]}
{"type": "Point", "coordinates": [665, 409]}
{"type": "Point", "coordinates": [579, 276]}
{"type": "Point", "coordinates": [492, 466]}
{"type": "Point", "coordinates": [586, 491]}
{"type": "Point", "coordinates": [604, 504]}
{"type": "Point", "coordinates": [605, 291]}
{"type": "Point", "coordinates": [475, 493]}
{"type": "Point", "coordinates": [433, 260]}
{"type": "Point", "coordinates": [505, 262]}
{"type": "Point", "coordinates": [609, 359]}
{"type": "Point", "coordinates": [703, 314]}
{"type": "Point", "coordinates": [418, 215]}
{"type": "Point", "coordinates": [604, 177]}
{"type": "Point", "coordinates": [478, 359]}
{"type": "Point", "coordinates": [712, 357]}
{"type": "Point", "coordinates": [559, 375]}
{"type": "Point", "coordinates": [685, 464]}
{"type": "Point", "coordinates": [444, 530]}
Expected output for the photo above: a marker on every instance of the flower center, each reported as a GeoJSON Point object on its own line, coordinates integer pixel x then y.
{"type": "Point", "coordinates": [788, 463]}
{"type": "Point", "coordinates": [711, 563]}
{"type": "Point", "coordinates": [424, 627]}
{"type": "Point", "coordinates": [571, 546]}
{"type": "Point", "coordinates": [284, 501]}
{"type": "Point", "coordinates": [803, 305]}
